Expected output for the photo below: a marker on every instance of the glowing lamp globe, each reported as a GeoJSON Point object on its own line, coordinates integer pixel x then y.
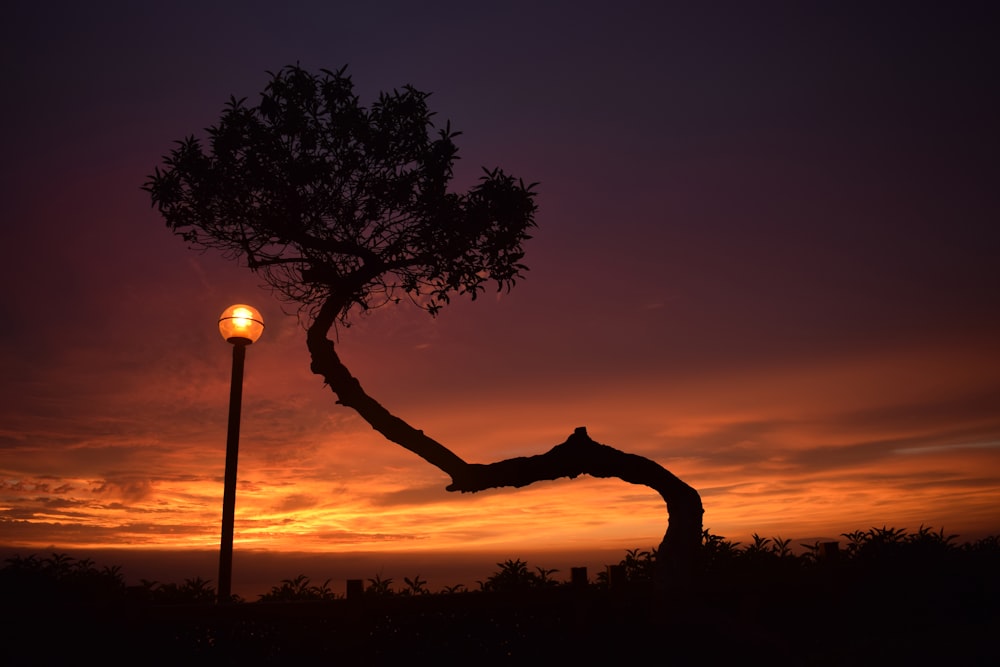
{"type": "Point", "coordinates": [241, 324]}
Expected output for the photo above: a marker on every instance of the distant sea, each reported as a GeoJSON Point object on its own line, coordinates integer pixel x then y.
{"type": "Point", "coordinates": [256, 572]}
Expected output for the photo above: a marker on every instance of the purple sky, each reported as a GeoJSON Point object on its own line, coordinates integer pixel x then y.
{"type": "Point", "coordinates": [766, 257]}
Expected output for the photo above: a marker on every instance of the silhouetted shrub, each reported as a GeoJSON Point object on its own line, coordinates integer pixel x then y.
{"type": "Point", "coordinates": [197, 591]}
{"type": "Point", "coordinates": [874, 600]}
{"type": "Point", "coordinates": [59, 579]}
{"type": "Point", "coordinates": [514, 576]}
{"type": "Point", "coordinates": [299, 588]}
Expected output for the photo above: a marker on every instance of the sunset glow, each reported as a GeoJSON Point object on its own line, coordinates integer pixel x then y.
{"type": "Point", "coordinates": [765, 258]}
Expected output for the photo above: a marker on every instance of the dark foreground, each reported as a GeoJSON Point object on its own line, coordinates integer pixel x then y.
{"type": "Point", "coordinates": [917, 602]}
{"type": "Point", "coordinates": [953, 620]}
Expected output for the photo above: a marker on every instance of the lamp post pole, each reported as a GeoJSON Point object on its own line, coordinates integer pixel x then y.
{"type": "Point", "coordinates": [241, 326]}
{"type": "Point", "coordinates": [232, 457]}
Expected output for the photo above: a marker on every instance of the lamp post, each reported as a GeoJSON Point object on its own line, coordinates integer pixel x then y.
{"type": "Point", "coordinates": [240, 325]}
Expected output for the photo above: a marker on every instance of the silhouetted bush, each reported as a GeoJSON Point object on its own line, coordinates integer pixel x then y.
{"type": "Point", "coordinates": [875, 599]}
{"type": "Point", "coordinates": [59, 579]}
{"type": "Point", "coordinates": [299, 588]}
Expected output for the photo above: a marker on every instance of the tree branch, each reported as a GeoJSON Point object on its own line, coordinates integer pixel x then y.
{"type": "Point", "coordinates": [327, 364]}
{"type": "Point", "coordinates": [579, 454]}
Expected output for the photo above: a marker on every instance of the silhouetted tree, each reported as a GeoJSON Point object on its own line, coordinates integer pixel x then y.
{"type": "Point", "coordinates": [343, 208]}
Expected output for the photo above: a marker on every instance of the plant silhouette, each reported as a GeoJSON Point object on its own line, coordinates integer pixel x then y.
{"type": "Point", "coordinates": [299, 588]}
{"type": "Point", "coordinates": [341, 209]}
{"type": "Point", "coordinates": [923, 600]}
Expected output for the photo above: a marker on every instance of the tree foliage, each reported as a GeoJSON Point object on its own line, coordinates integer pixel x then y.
{"type": "Point", "coordinates": [334, 202]}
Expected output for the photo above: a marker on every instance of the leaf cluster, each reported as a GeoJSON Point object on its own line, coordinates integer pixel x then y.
{"type": "Point", "coordinates": [59, 578]}
{"type": "Point", "coordinates": [335, 203]}
{"type": "Point", "coordinates": [196, 590]}
{"type": "Point", "coordinates": [299, 588]}
{"type": "Point", "coordinates": [514, 575]}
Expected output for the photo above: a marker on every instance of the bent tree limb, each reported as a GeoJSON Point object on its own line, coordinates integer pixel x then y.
{"type": "Point", "coordinates": [578, 455]}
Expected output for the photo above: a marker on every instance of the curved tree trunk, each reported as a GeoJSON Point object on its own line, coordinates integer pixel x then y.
{"type": "Point", "coordinates": [578, 455]}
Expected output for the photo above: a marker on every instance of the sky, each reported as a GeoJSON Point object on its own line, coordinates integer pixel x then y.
{"type": "Point", "coordinates": [766, 258]}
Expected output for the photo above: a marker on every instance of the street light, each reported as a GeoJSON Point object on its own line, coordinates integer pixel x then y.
{"type": "Point", "coordinates": [240, 325]}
